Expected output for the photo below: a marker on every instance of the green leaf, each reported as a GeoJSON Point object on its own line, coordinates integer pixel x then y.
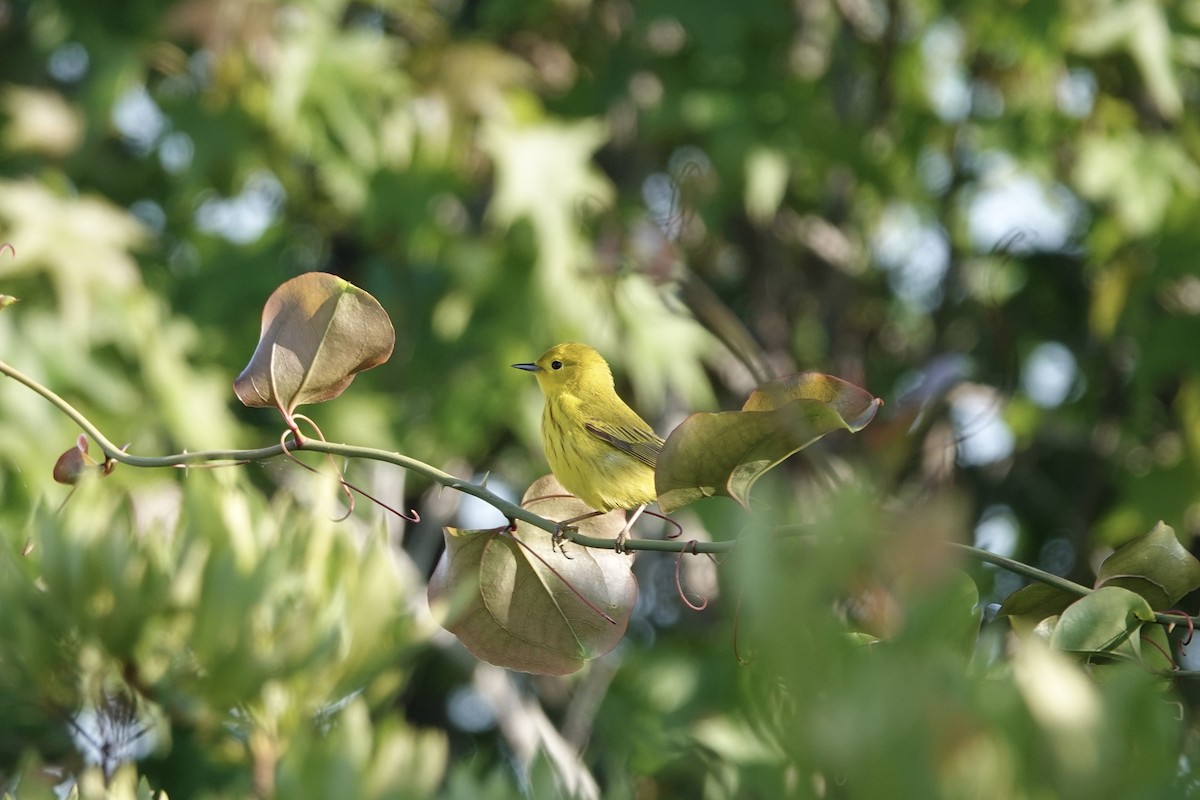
{"type": "Point", "coordinates": [1029, 605]}
{"type": "Point", "coordinates": [1155, 566]}
{"type": "Point", "coordinates": [1102, 622]}
{"type": "Point", "coordinates": [81, 242]}
{"type": "Point", "coordinates": [522, 605]}
{"type": "Point", "coordinates": [959, 601]}
{"type": "Point", "coordinates": [1143, 29]}
{"type": "Point", "coordinates": [726, 452]}
{"type": "Point", "coordinates": [371, 758]}
{"type": "Point", "coordinates": [318, 331]}
{"type": "Point", "coordinates": [1140, 175]}
{"type": "Point", "coordinates": [1038, 600]}
{"type": "Point", "coordinates": [1155, 649]}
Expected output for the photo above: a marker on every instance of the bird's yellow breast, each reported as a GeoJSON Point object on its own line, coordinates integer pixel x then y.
{"type": "Point", "coordinates": [588, 467]}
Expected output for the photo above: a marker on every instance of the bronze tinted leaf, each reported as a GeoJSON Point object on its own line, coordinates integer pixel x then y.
{"type": "Point", "coordinates": [511, 609]}
{"type": "Point", "coordinates": [726, 452]}
{"type": "Point", "coordinates": [74, 463]}
{"type": "Point", "coordinates": [318, 331]}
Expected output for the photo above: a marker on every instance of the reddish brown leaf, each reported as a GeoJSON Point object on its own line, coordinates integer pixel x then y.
{"type": "Point", "coordinates": [522, 606]}
{"type": "Point", "coordinates": [73, 464]}
{"type": "Point", "coordinates": [318, 332]}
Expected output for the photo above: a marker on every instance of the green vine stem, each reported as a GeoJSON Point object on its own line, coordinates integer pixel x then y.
{"type": "Point", "coordinates": [1033, 573]}
{"type": "Point", "coordinates": [211, 458]}
{"type": "Point", "coordinates": [511, 510]}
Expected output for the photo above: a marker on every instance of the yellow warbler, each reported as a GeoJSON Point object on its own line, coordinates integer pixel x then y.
{"type": "Point", "coordinates": [598, 448]}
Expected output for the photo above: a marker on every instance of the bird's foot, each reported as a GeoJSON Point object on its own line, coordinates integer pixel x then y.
{"type": "Point", "coordinates": [622, 538]}
{"type": "Point", "coordinates": [559, 538]}
{"type": "Point", "coordinates": [568, 526]}
{"type": "Point", "coordinates": [627, 531]}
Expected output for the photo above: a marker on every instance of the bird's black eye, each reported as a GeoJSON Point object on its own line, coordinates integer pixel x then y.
{"type": "Point", "coordinates": [555, 365]}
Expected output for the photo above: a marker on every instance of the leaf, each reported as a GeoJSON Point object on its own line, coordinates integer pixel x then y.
{"type": "Point", "coordinates": [1154, 565]}
{"type": "Point", "coordinates": [726, 452]}
{"type": "Point", "coordinates": [1029, 605]}
{"type": "Point", "coordinates": [959, 612]}
{"type": "Point", "coordinates": [509, 608]}
{"type": "Point", "coordinates": [545, 174]}
{"type": "Point", "coordinates": [1140, 175]}
{"type": "Point", "coordinates": [318, 331]}
{"type": "Point", "coordinates": [1143, 29]}
{"type": "Point", "coordinates": [1102, 622]}
{"type": "Point", "coordinates": [1155, 649]}
{"type": "Point", "coordinates": [1038, 600]}
{"type": "Point", "coordinates": [81, 243]}
{"type": "Point", "coordinates": [73, 464]}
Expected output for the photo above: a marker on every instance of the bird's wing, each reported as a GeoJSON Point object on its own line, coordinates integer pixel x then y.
{"type": "Point", "coordinates": [643, 445]}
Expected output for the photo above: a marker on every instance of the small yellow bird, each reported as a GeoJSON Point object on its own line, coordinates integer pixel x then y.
{"type": "Point", "coordinates": [598, 447]}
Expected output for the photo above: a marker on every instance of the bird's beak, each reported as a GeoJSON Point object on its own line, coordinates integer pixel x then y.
{"type": "Point", "coordinates": [528, 367]}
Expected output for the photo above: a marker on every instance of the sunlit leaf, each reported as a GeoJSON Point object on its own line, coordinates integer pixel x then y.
{"type": "Point", "coordinates": [1154, 565]}
{"type": "Point", "coordinates": [318, 331]}
{"type": "Point", "coordinates": [81, 243]}
{"type": "Point", "coordinates": [521, 605]}
{"type": "Point", "coordinates": [545, 173]}
{"type": "Point", "coordinates": [1143, 29]}
{"type": "Point", "coordinates": [39, 121]}
{"type": "Point", "coordinates": [726, 452]}
{"type": "Point", "coordinates": [372, 758]}
{"type": "Point", "coordinates": [1102, 621]}
{"type": "Point", "coordinates": [1141, 175]}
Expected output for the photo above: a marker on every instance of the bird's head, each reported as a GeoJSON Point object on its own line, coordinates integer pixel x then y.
{"type": "Point", "coordinates": [569, 366]}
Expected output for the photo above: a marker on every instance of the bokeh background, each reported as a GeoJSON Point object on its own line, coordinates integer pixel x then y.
{"type": "Point", "coordinates": [984, 213]}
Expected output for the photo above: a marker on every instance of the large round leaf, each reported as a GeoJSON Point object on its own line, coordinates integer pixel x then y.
{"type": "Point", "coordinates": [1104, 622]}
{"type": "Point", "coordinates": [318, 331]}
{"type": "Point", "coordinates": [527, 606]}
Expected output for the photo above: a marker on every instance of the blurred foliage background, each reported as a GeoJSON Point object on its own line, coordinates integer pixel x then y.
{"type": "Point", "coordinates": [983, 212]}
